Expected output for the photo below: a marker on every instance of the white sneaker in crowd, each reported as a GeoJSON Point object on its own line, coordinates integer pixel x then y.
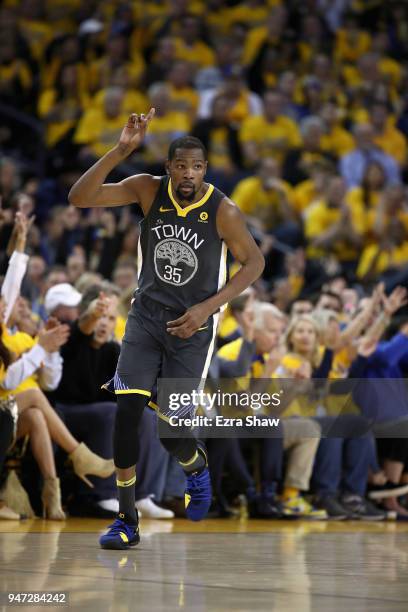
{"type": "Point", "coordinates": [149, 509]}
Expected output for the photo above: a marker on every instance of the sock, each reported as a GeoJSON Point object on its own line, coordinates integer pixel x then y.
{"type": "Point", "coordinates": [126, 492]}
{"type": "Point", "coordinates": [197, 462]}
{"type": "Point", "coordinates": [289, 492]}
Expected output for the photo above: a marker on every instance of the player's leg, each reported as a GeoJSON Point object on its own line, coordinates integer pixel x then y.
{"type": "Point", "coordinates": [136, 373]}
{"type": "Point", "coordinates": [189, 360]}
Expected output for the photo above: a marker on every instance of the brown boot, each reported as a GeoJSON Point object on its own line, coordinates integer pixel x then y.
{"type": "Point", "coordinates": [51, 499]}
{"type": "Point", "coordinates": [86, 462]}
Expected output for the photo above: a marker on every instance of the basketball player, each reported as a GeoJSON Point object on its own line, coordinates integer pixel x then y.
{"type": "Point", "coordinates": [170, 332]}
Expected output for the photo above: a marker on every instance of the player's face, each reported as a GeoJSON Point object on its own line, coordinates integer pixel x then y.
{"type": "Point", "coordinates": [187, 170]}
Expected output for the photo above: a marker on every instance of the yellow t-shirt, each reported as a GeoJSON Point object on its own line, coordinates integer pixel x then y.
{"type": "Point", "coordinates": [229, 325]}
{"type": "Point", "coordinates": [393, 142]}
{"type": "Point", "coordinates": [16, 69]}
{"type": "Point", "coordinates": [395, 258]}
{"type": "Point", "coordinates": [98, 131]}
{"type": "Point", "coordinates": [17, 344]}
{"type": "Point", "coordinates": [252, 16]}
{"type": "Point", "coordinates": [253, 199]}
{"type": "Point", "coordinates": [134, 101]}
{"type": "Point", "coordinates": [338, 141]}
{"type": "Point", "coordinates": [347, 50]}
{"type": "Point", "coordinates": [304, 194]}
{"type": "Point", "coordinates": [68, 115]}
{"type": "Point", "coordinates": [218, 149]}
{"type": "Point", "coordinates": [100, 72]}
{"type": "Point", "coordinates": [161, 132]}
{"type": "Point", "coordinates": [318, 219]}
{"type": "Point", "coordinates": [37, 34]}
{"type": "Point", "coordinates": [253, 42]}
{"type": "Point", "coordinates": [184, 100]}
{"type": "Point", "coordinates": [120, 328]}
{"type": "Point", "coordinates": [199, 53]}
{"type": "Point", "coordinates": [272, 139]}
{"type": "Point", "coordinates": [365, 214]}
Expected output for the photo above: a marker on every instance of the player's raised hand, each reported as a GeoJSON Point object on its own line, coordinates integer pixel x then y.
{"type": "Point", "coordinates": [134, 132]}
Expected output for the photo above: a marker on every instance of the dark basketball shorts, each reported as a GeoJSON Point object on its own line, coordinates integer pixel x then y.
{"type": "Point", "coordinates": [150, 353]}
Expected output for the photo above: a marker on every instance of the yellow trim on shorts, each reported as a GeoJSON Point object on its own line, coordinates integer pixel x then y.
{"type": "Point", "coordinates": [139, 391]}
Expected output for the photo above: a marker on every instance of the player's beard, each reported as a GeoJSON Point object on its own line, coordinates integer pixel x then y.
{"type": "Point", "coordinates": [186, 198]}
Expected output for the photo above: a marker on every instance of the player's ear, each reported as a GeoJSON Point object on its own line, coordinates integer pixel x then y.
{"type": "Point", "coordinates": [205, 168]}
{"type": "Point", "coordinates": [167, 166]}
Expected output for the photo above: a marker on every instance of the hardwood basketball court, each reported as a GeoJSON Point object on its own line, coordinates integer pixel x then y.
{"type": "Point", "coordinates": [215, 565]}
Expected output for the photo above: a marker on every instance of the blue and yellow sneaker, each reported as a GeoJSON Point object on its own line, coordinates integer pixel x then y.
{"type": "Point", "coordinates": [198, 493]}
{"type": "Point", "coordinates": [121, 535]}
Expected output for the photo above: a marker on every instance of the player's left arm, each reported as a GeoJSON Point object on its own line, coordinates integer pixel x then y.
{"type": "Point", "coordinates": [232, 229]}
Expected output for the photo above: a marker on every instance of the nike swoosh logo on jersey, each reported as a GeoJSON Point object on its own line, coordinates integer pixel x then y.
{"type": "Point", "coordinates": [161, 209]}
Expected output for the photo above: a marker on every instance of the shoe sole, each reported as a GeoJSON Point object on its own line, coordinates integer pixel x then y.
{"type": "Point", "coordinates": [384, 494]}
{"type": "Point", "coordinates": [118, 546]}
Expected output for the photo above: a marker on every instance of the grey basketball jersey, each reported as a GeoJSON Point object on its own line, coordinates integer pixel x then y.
{"type": "Point", "coordinates": [181, 259]}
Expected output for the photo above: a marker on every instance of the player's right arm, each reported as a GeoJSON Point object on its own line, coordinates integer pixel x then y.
{"type": "Point", "coordinates": [90, 190]}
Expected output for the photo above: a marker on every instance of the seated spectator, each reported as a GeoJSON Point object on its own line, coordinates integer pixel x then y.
{"type": "Point", "coordinates": [221, 141]}
{"type": "Point", "coordinates": [163, 57]}
{"type": "Point", "coordinates": [61, 107]}
{"type": "Point", "coordinates": [386, 136]}
{"type": "Point", "coordinates": [16, 79]}
{"type": "Point", "coordinates": [268, 135]}
{"type": "Point", "coordinates": [64, 50]}
{"type": "Point", "coordinates": [353, 165]}
{"type": "Point", "coordinates": [335, 140]}
{"type": "Point", "coordinates": [268, 35]}
{"type": "Point", "coordinates": [299, 160]}
{"type": "Point", "coordinates": [26, 368]}
{"type": "Point", "coordinates": [191, 46]}
{"type": "Point", "coordinates": [133, 99]}
{"type": "Point", "coordinates": [267, 202]}
{"type": "Point", "coordinates": [311, 96]}
{"type": "Point", "coordinates": [313, 188]}
{"type": "Point", "coordinates": [367, 196]}
{"type": "Point", "coordinates": [337, 458]}
{"type": "Point", "coordinates": [261, 361]}
{"type": "Point", "coordinates": [183, 98]}
{"type": "Point", "coordinates": [242, 103]}
{"type": "Point", "coordinates": [331, 227]}
{"type": "Point", "coordinates": [99, 129]}
{"type": "Point", "coordinates": [167, 126]}
{"type": "Point", "coordinates": [116, 58]}
{"type": "Point", "coordinates": [90, 358]}
{"type": "Point", "coordinates": [351, 41]}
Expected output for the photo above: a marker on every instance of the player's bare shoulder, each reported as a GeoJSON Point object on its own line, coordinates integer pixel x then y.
{"type": "Point", "coordinates": [228, 216]}
{"type": "Point", "coordinates": [144, 188]}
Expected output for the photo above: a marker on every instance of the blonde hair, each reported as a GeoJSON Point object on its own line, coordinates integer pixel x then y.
{"type": "Point", "coordinates": [323, 317]}
{"type": "Point", "coordinates": [315, 357]}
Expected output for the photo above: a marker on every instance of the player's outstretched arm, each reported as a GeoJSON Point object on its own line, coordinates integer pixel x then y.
{"type": "Point", "coordinates": [90, 190]}
{"type": "Point", "coordinates": [233, 230]}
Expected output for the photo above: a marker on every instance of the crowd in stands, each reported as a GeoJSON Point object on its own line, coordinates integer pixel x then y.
{"type": "Point", "coordinates": [303, 109]}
